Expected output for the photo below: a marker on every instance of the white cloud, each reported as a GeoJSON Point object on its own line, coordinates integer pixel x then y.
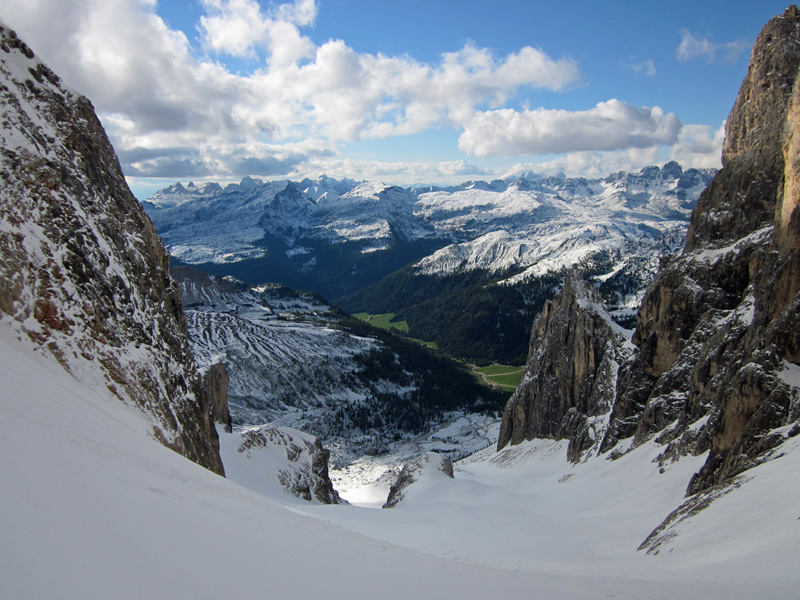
{"type": "Point", "coordinates": [154, 90]}
{"type": "Point", "coordinates": [173, 111]}
{"type": "Point", "coordinates": [592, 164]}
{"type": "Point", "coordinates": [611, 125]}
{"type": "Point", "coordinates": [400, 173]}
{"type": "Point", "coordinates": [694, 47]}
{"type": "Point", "coordinates": [699, 146]}
{"type": "Point", "coordinates": [241, 28]}
{"type": "Point", "coordinates": [647, 67]}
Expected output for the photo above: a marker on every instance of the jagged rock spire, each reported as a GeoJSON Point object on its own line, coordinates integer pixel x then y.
{"type": "Point", "coordinates": [570, 377]}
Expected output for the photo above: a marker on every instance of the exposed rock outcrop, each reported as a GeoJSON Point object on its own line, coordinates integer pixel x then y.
{"type": "Point", "coordinates": [718, 333]}
{"type": "Point", "coordinates": [302, 462]}
{"type": "Point", "coordinates": [429, 465]}
{"type": "Point", "coordinates": [84, 274]}
{"type": "Point", "coordinates": [216, 382]}
{"type": "Point", "coordinates": [570, 378]}
{"type": "Point", "coordinates": [719, 328]}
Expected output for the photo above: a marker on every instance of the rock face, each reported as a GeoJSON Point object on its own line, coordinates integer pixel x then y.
{"type": "Point", "coordinates": [718, 330]}
{"type": "Point", "coordinates": [304, 462]}
{"type": "Point", "coordinates": [429, 465]}
{"type": "Point", "coordinates": [570, 379]}
{"type": "Point", "coordinates": [717, 358]}
{"type": "Point", "coordinates": [216, 383]}
{"type": "Point", "coordinates": [84, 274]}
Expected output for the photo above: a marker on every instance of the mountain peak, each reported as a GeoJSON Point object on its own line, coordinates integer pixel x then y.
{"type": "Point", "coordinates": [575, 351]}
{"type": "Point", "coordinates": [754, 125]}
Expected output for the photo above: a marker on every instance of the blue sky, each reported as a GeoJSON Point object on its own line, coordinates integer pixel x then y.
{"type": "Point", "coordinates": [402, 92]}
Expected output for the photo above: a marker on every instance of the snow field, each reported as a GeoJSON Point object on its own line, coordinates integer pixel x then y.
{"type": "Point", "coordinates": [95, 508]}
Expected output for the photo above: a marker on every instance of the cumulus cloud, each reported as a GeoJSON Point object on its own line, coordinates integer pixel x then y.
{"type": "Point", "coordinates": [153, 89]}
{"type": "Point", "coordinates": [241, 28]}
{"type": "Point", "coordinates": [592, 164]}
{"type": "Point", "coordinates": [699, 146]}
{"type": "Point", "coordinates": [611, 125]}
{"type": "Point", "coordinates": [401, 172]}
{"type": "Point", "coordinates": [694, 47]}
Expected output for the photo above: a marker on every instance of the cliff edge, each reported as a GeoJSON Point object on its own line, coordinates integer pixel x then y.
{"type": "Point", "coordinates": [716, 364]}
{"type": "Point", "coordinates": [85, 276]}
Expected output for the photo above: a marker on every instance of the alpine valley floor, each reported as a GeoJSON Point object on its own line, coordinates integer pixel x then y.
{"type": "Point", "coordinates": [96, 508]}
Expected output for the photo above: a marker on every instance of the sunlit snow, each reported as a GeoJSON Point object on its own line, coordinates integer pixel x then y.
{"type": "Point", "coordinates": [95, 508]}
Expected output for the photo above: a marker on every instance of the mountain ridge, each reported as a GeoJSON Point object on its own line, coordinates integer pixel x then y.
{"type": "Point", "coordinates": [717, 343]}
{"type": "Point", "coordinates": [502, 241]}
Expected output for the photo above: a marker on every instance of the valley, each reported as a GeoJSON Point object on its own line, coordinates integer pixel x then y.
{"type": "Point", "coordinates": [535, 385]}
{"type": "Point", "coordinates": [295, 361]}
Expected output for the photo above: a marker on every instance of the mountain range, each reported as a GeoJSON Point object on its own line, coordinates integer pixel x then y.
{"type": "Point", "coordinates": [384, 249]}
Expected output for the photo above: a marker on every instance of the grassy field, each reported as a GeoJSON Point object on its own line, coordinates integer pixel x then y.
{"type": "Point", "coordinates": [506, 377]}
{"type": "Point", "coordinates": [383, 321]}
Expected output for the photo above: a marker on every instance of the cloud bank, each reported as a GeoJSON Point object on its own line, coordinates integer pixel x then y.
{"type": "Point", "coordinates": [155, 91]}
{"type": "Point", "coordinates": [254, 95]}
{"type": "Point", "coordinates": [611, 125]}
{"type": "Point", "coordinates": [697, 146]}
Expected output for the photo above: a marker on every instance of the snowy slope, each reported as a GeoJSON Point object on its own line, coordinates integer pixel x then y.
{"type": "Point", "coordinates": [269, 460]}
{"type": "Point", "coordinates": [277, 362]}
{"type": "Point", "coordinates": [282, 354]}
{"type": "Point", "coordinates": [96, 509]}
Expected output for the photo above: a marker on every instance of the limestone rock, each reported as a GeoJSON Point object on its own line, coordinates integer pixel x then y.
{"type": "Point", "coordinates": [570, 377]}
{"type": "Point", "coordinates": [302, 462]}
{"type": "Point", "coordinates": [717, 340]}
{"type": "Point", "coordinates": [719, 328]}
{"type": "Point", "coordinates": [85, 275]}
{"type": "Point", "coordinates": [216, 382]}
{"type": "Point", "coordinates": [428, 466]}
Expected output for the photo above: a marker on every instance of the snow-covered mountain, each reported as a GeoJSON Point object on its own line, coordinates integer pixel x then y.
{"type": "Point", "coordinates": [95, 507]}
{"type": "Point", "coordinates": [538, 224]}
{"type": "Point", "coordinates": [547, 223]}
{"type": "Point", "coordinates": [380, 249]}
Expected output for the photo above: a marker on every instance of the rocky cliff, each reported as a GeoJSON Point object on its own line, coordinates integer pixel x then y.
{"type": "Point", "coordinates": [718, 333]}
{"type": "Point", "coordinates": [568, 399]}
{"type": "Point", "coordinates": [296, 460]}
{"type": "Point", "coordinates": [215, 380]}
{"type": "Point", "coordinates": [84, 274]}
